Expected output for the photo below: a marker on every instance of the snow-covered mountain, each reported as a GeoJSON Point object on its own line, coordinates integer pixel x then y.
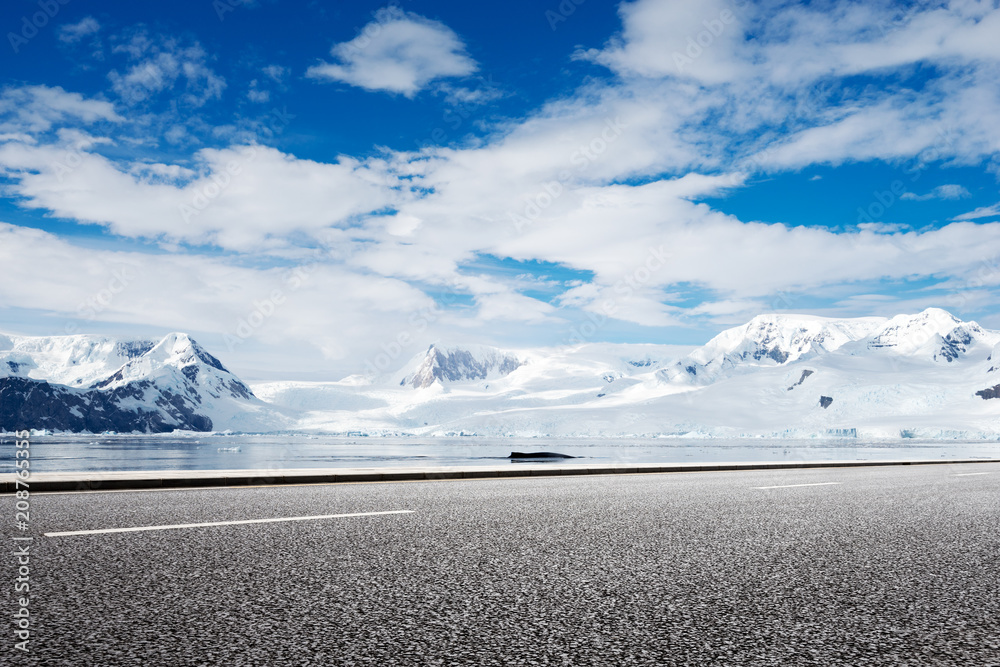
{"type": "Point", "coordinates": [768, 340]}
{"type": "Point", "coordinates": [776, 340]}
{"type": "Point", "coordinates": [927, 375]}
{"type": "Point", "coordinates": [444, 364]}
{"type": "Point", "coordinates": [923, 375]}
{"type": "Point", "coordinates": [98, 383]}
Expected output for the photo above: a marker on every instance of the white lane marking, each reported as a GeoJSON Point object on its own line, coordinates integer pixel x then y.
{"type": "Point", "coordinates": [966, 474]}
{"type": "Point", "coordinates": [221, 523]}
{"type": "Point", "coordinates": [789, 486]}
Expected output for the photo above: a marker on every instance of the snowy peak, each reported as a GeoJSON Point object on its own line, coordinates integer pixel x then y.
{"type": "Point", "coordinates": [96, 383]}
{"type": "Point", "coordinates": [178, 362]}
{"type": "Point", "coordinates": [76, 361]}
{"type": "Point", "coordinates": [934, 332]}
{"type": "Point", "coordinates": [789, 337]}
{"type": "Point", "coordinates": [777, 340]}
{"type": "Point", "coordinates": [457, 364]}
{"type": "Point", "coordinates": [908, 333]}
{"type": "Point", "coordinates": [769, 340]}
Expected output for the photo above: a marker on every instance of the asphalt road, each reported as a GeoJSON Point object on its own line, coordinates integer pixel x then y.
{"type": "Point", "coordinates": [868, 566]}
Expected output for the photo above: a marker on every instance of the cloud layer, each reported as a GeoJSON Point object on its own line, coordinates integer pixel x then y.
{"type": "Point", "coordinates": [604, 185]}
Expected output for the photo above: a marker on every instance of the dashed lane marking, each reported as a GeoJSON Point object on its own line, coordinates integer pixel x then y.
{"type": "Point", "coordinates": [789, 486]}
{"type": "Point", "coordinates": [221, 523]}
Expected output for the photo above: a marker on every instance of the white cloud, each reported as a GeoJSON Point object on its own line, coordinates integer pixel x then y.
{"type": "Point", "coordinates": [783, 86]}
{"type": "Point", "coordinates": [34, 109]}
{"type": "Point", "coordinates": [638, 241]}
{"type": "Point", "coordinates": [460, 96]}
{"type": "Point", "coordinates": [512, 307]}
{"type": "Point", "coordinates": [255, 94]}
{"type": "Point", "coordinates": [318, 307]}
{"type": "Point", "coordinates": [260, 87]}
{"type": "Point", "coordinates": [948, 191]}
{"type": "Point", "coordinates": [277, 73]}
{"type": "Point", "coordinates": [74, 32]}
{"type": "Point", "coordinates": [399, 52]}
{"type": "Point", "coordinates": [243, 198]}
{"type": "Point", "coordinates": [158, 64]}
{"type": "Point", "coordinates": [793, 43]}
{"type": "Point", "coordinates": [981, 212]}
{"type": "Point", "coordinates": [605, 181]}
{"type": "Point", "coordinates": [676, 38]}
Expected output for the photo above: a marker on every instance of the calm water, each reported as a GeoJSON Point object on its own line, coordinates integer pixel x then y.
{"type": "Point", "coordinates": [227, 452]}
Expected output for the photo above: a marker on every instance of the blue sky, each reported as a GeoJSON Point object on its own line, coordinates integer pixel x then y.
{"type": "Point", "coordinates": [304, 186]}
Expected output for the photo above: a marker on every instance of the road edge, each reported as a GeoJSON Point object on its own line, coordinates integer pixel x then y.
{"type": "Point", "coordinates": [138, 480]}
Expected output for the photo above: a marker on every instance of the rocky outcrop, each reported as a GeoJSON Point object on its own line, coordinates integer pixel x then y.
{"type": "Point", "coordinates": [990, 392]}
{"type": "Point", "coordinates": [36, 404]}
{"type": "Point", "coordinates": [805, 374]}
{"type": "Point", "coordinates": [954, 345]}
{"type": "Point", "coordinates": [90, 383]}
{"type": "Point", "coordinates": [455, 365]}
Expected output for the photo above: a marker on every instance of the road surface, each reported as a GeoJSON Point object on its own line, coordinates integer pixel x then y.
{"type": "Point", "coordinates": [855, 566]}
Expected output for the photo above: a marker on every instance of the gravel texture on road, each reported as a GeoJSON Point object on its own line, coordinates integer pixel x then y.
{"type": "Point", "coordinates": [890, 566]}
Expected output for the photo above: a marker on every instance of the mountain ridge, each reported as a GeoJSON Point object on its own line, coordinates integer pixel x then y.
{"type": "Point", "coordinates": [778, 375]}
{"type": "Point", "coordinates": [97, 383]}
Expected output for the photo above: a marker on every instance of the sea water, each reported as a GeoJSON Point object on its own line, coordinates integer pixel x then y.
{"type": "Point", "coordinates": [58, 453]}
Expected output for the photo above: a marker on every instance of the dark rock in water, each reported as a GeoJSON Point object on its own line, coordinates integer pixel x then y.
{"type": "Point", "coordinates": [825, 401]}
{"type": "Point", "coordinates": [539, 455]}
{"type": "Point", "coordinates": [992, 392]}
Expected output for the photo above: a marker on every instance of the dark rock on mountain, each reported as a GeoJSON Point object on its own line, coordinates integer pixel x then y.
{"type": "Point", "coordinates": [125, 386]}
{"type": "Point", "coordinates": [36, 404]}
{"type": "Point", "coordinates": [455, 365]}
{"type": "Point", "coordinates": [133, 349]}
{"type": "Point", "coordinates": [991, 392]}
{"type": "Point", "coordinates": [955, 345]}
{"type": "Point", "coordinates": [805, 374]}
{"type": "Point", "coordinates": [825, 401]}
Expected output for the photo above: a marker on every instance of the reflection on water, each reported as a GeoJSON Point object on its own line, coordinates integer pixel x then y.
{"type": "Point", "coordinates": [228, 452]}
